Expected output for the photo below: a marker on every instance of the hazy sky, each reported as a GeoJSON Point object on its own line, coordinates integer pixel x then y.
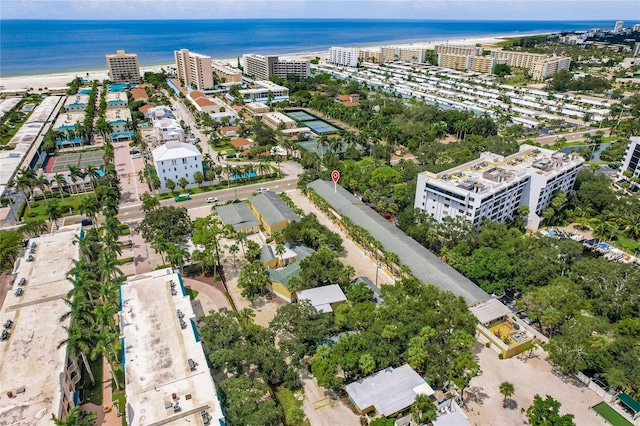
{"type": "Point", "coordinates": [347, 9]}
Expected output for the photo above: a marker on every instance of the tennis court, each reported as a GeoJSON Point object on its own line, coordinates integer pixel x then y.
{"type": "Point", "coordinates": [300, 116]}
{"type": "Point", "coordinates": [610, 415]}
{"type": "Point", "coordinates": [321, 127]}
{"type": "Point", "coordinates": [62, 162]}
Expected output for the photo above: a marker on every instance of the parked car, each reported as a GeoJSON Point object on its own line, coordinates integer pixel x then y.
{"type": "Point", "coordinates": [18, 291]}
{"type": "Point", "coordinates": [22, 281]}
{"type": "Point", "coordinates": [136, 155]}
{"type": "Point", "coordinates": [30, 258]}
{"type": "Point", "coordinates": [86, 222]}
{"type": "Point", "coordinates": [134, 151]}
{"type": "Point", "coordinates": [212, 200]}
{"type": "Point", "coordinates": [262, 190]}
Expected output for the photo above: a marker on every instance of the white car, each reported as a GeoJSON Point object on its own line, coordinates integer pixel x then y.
{"type": "Point", "coordinates": [136, 155]}
{"type": "Point", "coordinates": [262, 190]}
{"type": "Point", "coordinates": [212, 200]}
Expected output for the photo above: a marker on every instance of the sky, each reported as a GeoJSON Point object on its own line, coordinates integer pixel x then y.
{"type": "Point", "coordinates": [344, 9]}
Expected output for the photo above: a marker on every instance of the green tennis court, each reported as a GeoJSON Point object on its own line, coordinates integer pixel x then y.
{"type": "Point", "coordinates": [610, 415]}
{"type": "Point", "coordinates": [320, 127]}
{"type": "Point", "coordinates": [62, 162]}
{"type": "Point", "coordinates": [300, 116]}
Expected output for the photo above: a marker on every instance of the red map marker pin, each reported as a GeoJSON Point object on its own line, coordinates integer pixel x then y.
{"type": "Point", "coordinates": [335, 176]}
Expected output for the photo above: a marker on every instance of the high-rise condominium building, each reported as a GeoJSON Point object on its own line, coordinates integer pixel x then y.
{"type": "Point", "coordinates": [495, 187]}
{"type": "Point", "coordinates": [370, 55]}
{"type": "Point", "coordinates": [618, 26]}
{"type": "Point", "coordinates": [541, 66]}
{"type": "Point", "coordinates": [411, 55]}
{"type": "Point", "coordinates": [194, 69]}
{"type": "Point", "coordinates": [123, 67]}
{"type": "Point", "coordinates": [226, 72]}
{"type": "Point", "coordinates": [631, 159]}
{"type": "Point", "coordinates": [483, 64]}
{"type": "Point", "coordinates": [262, 67]}
{"type": "Point", "coordinates": [457, 49]}
{"type": "Point", "coordinates": [344, 56]}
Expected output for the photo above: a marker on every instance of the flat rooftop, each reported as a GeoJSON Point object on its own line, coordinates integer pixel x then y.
{"type": "Point", "coordinates": [492, 171]}
{"type": "Point", "coordinates": [29, 357]}
{"type": "Point", "coordinates": [68, 120]}
{"type": "Point", "coordinates": [117, 114]}
{"type": "Point", "coordinates": [164, 361]}
{"type": "Point", "coordinates": [77, 99]}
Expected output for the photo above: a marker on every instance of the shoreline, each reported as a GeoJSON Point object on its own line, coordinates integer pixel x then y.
{"type": "Point", "coordinates": [62, 78]}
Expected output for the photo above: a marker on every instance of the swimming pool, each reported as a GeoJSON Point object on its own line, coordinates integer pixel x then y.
{"type": "Point", "coordinates": [243, 175]}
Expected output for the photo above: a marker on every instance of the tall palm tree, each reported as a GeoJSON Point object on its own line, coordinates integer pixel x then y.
{"type": "Point", "coordinates": [73, 175]}
{"type": "Point", "coordinates": [79, 342]}
{"type": "Point", "coordinates": [53, 212]}
{"type": "Point", "coordinates": [60, 181]}
{"type": "Point", "coordinates": [177, 256]}
{"type": "Point", "coordinates": [108, 267]}
{"type": "Point", "coordinates": [106, 345]}
{"type": "Point", "coordinates": [42, 183]}
{"type": "Point", "coordinates": [507, 390]}
{"type": "Point", "coordinates": [89, 206]}
{"type": "Point", "coordinates": [25, 183]}
{"type": "Point", "coordinates": [160, 245]}
{"type": "Point", "coordinates": [280, 250]}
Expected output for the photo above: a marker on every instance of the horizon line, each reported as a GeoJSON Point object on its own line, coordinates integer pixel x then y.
{"type": "Point", "coordinates": [326, 19]}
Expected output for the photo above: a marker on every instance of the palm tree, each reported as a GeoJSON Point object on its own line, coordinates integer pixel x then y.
{"type": "Point", "coordinates": [108, 267]}
{"type": "Point", "coordinates": [79, 342]}
{"type": "Point", "coordinates": [75, 417]}
{"type": "Point", "coordinates": [177, 255]}
{"type": "Point", "coordinates": [507, 390]}
{"type": "Point", "coordinates": [60, 181]}
{"type": "Point", "coordinates": [149, 202]}
{"type": "Point", "coordinates": [106, 346]}
{"type": "Point", "coordinates": [160, 245]}
{"type": "Point", "coordinates": [42, 183]}
{"type": "Point", "coordinates": [73, 175]}
{"type": "Point", "coordinates": [280, 250]}
{"type": "Point", "coordinates": [209, 175]}
{"type": "Point", "coordinates": [182, 183]}
{"type": "Point", "coordinates": [89, 206]}
{"type": "Point", "coordinates": [170, 184]}
{"type": "Point", "coordinates": [24, 183]}
{"type": "Point", "coordinates": [199, 178]}
{"type": "Point", "coordinates": [423, 409]}
{"type": "Point", "coordinates": [53, 211]}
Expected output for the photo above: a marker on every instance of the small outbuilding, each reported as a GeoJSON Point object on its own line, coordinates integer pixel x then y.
{"type": "Point", "coordinates": [389, 391]}
{"type": "Point", "coordinates": [324, 298]}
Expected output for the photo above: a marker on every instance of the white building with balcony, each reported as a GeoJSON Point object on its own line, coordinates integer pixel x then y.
{"type": "Point", "coordinates": [175, 160]}
{"type": "Point", "coordinates": [495, 187]}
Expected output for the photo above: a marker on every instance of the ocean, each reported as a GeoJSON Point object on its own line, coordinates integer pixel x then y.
{"type": "Point", "coordinates": [30, 47]}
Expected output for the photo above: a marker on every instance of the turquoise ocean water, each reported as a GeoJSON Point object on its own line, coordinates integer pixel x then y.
{"type": "Point", "coordinates": [37, 46]}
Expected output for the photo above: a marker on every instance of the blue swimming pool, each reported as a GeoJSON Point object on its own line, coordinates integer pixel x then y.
{"type": "Point", "coordinates": [243, 175]}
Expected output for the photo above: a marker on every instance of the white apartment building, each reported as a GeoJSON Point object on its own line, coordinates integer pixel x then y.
{"type": "Point", "coordinates": [38, 376]}
{"type": "Point", "coordinates": [631, 159]}
{"type": "Point", "coordinates": [117, 100]}
{"type": "Point", "coordinates": [494, 186]}
{"type": "Point", "coordinates": [123, 67]}
{"type": "Point", "coordinates": [458, 49]}
{"type": "Point", "coordinates": [194, 69]}
{"type": "Point", "coordinates": [261, 91]}
{"type": "Point", "coordinates": [175, 160]}
{"type": "Point", "coordinates": [165, 126]}
{"type": "Point", "coordinates": [344, 56]}
{"type": "Point", "coordinates": [618, 26]}
{"type": "Point", "coordinates": [226, 72]}
{"type": "Point", "coordinates": [168, 381]}
{"type": "Point", "coordinates": [262, 67]}
{"type": "Point", "coordinates": [76, 103]}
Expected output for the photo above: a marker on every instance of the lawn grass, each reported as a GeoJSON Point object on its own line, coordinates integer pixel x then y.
{"type": "Point", "coordinates": [626, 244]}
{"type": "Point", "coordinates": [291, 406]}
{"type": "Point", "coordinates": [192, 293]}
{"type": "Point", "coordinates": [610, 415]}
{"type": "Point", "coordinates": [38, 210]}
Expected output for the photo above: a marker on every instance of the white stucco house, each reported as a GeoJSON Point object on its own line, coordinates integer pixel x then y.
{"type": "Point", "coordinates": [175, 160]}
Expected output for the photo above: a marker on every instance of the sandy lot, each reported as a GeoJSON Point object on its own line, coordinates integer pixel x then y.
{"type": "Point", "coordinates": [530, 376]}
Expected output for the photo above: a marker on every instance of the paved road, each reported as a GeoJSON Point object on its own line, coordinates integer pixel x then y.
{"type": "Point", "coordinates": [570, 137]}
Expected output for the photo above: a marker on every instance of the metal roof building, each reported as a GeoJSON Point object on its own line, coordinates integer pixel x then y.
{"type": "Point", "coordinates": [388, 391]}
{"type": "Point", "coordinates": [240, 216]}
{"type": "Point", "coordinates": [274, 214]}
{"type": "Point", "coordinates": [424, 265]}
{"type": "Point", "coordinates": [322, 297]}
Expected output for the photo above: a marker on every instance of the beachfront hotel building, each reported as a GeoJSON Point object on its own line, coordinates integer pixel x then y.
{"type": "Point", "coordinates": [123, 67]}
{"type": "Point", "coordinates": [175, 160]}
{"type": "Point", "coordinates": [373, 55]}
{"type": "Point", "coordinates": [541, 66]}
{"type": "Point", "coordinates": [226, 72]}
{"type": "Point", "coordinates": [167, 378]}
{"type": "Point", "coordinates": [411, 55]}
{"type": "Point", "coordinates": [344, 56]}
{"type": "Point", "coordinates": [457, 49]}
{"type": "Point", "coordinates": [495, 187]}
{"type": "Point", "coordinates": [389, 54]}
{"type": "Point", "coordinates": [262, 67]}
{"type": "Point", "coordinates": [38, 375]}
{"type": "Point", "coordinates": [631, 160]}
{"type": "Point", "coordinates": [194, 69]}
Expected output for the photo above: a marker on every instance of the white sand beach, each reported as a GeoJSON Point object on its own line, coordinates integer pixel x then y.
{"type": "Point", "coordinates": [47, 81]}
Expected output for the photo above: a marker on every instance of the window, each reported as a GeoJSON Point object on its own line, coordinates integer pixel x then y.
{"type": "Point", "coordinates": [446, 206]}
